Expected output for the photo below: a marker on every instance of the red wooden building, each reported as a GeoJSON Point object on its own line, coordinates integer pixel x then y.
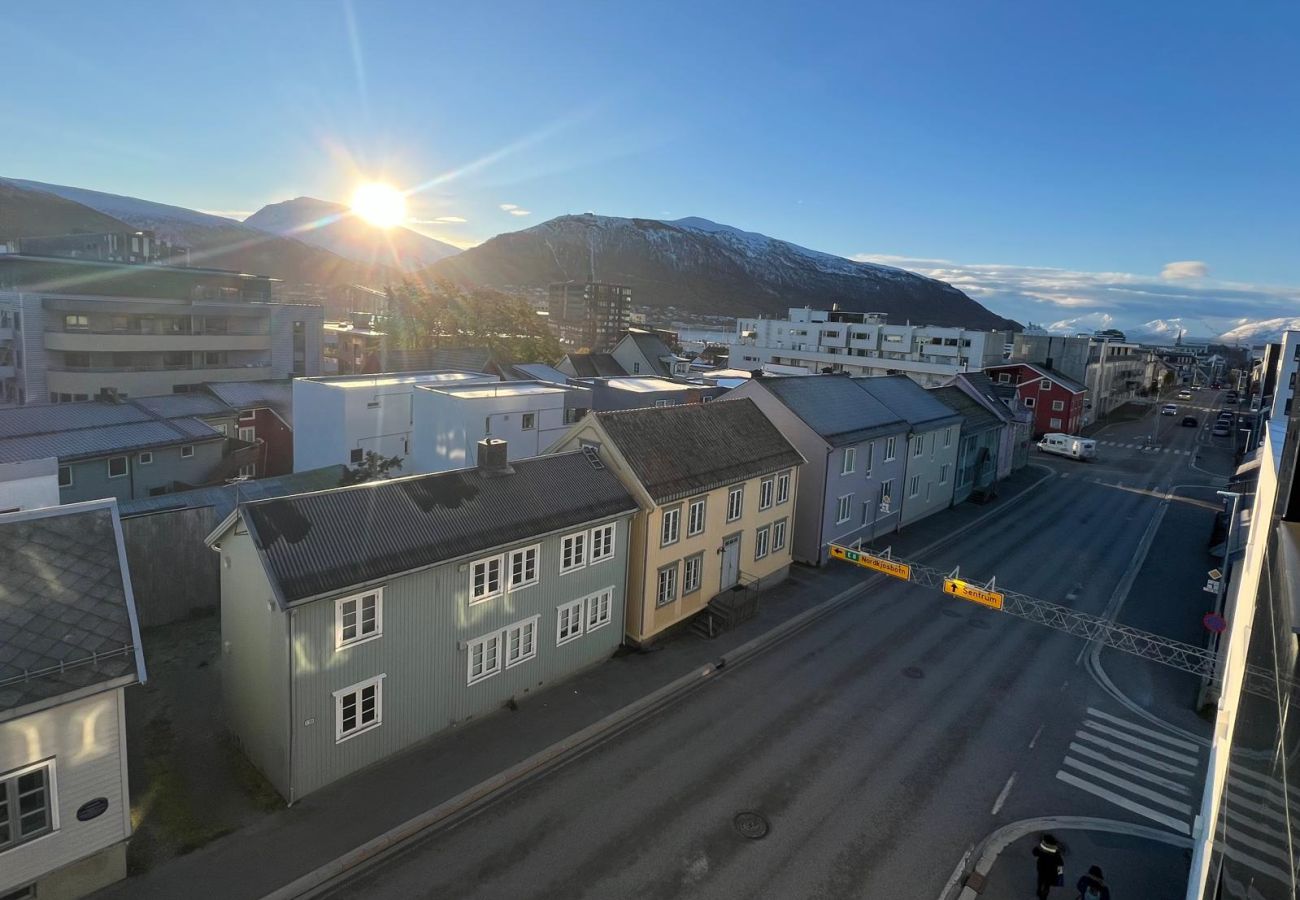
{"type": "Point", "coordinates": [1056, 400]}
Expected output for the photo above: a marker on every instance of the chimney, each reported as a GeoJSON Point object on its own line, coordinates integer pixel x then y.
{"type": "Point", "coordinates": [491, 459]}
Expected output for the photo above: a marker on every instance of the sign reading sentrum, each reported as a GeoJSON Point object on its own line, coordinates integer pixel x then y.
{"type": "Point", "coordinates": [867, 561]}
{"type": "Point", "coordinates": [966, 591]}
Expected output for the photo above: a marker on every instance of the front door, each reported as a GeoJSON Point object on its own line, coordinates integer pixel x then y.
{"type": "Point", "coordinates": [730, 561]}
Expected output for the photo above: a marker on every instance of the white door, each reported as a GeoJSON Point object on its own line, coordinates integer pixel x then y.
{"type": "Point", "coordinates": [730, 561]}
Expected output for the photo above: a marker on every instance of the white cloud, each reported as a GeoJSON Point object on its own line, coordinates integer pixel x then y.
{"type": "Point", "coordinates": [509, 206]}
{"type": "Point", "coordinates": [1204, 307]}
{"type": "Point", "coordinates": [1188, 268]}
{"type": "Point", "coordinates": [520, 212]}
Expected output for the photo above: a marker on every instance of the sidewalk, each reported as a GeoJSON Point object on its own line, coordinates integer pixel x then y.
{"type": "Point", "coordinates": [1135, 868]}
{"type": "Point", "coordinates": [287, 844]}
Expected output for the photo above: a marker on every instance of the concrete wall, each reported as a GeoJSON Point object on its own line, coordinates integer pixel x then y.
{"type": "Point", "coordinates": [30, 484]}
{"type": "Point", "coordinates": [173, 573]}
{"type": "Point", "coordinates": [90, 479]}
{"type": "Point", "coordinates": [86, 739]}
{"type": "Point", "coordinates": [934, 469]}
{"type": "Point", "coordinates": [1067, 355]}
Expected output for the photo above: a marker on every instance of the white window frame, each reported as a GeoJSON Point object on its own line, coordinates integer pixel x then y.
{"type": "Point", "coordinates": [247, 434]}
{"type": "Point", "coordinates": [891, 446]}
{"type": "Point", "coordinates": [914, 488]}
{"type": "Point", "coordinates": [1054, 423]}
{"type": "Point", "coordinates": [600, 609]}
{"type": "Point", "coordinates": [843, 508]}
{"type": "Point", "coordinates": [783, 488]}
{"type": "Point", "coordinates": [850, 461]}
{"type": "Point", "coordinates": [887, 492]}
{"type": "Point", "coordinates": [947, 436]}
{"type": "Point", "coordinates": [600, 536]}
{"type": "Point", "coordinates": [871, 457]}
{"type": "Point", "coordinates": [766, 490]}
{"type": "Point", "coordinates": [574, 613]}
{"type": "Point", "coordinates": [1029, 402]}
{"type": "Point", "coordinates": [187, 451]}
{"type": "Point", "coordinates": [660, 599]}
{"type": "Point", "coordinates": [695, 524]}
{"type": "Point", "coordinates": [486, 641]}
{"type": "Point", "coordinates": [735, 498]}
{"type": "Point", "coordinates": [126, 466]}
{"type": "Point", "coordinates": [523, 552]}
{"type": "Point", "coordinates": [697, 560]}
{"type": "Point", "coordinates": [248, 470]}
{"type": "Point", "coordinates": [247, 415]}
{"type": "Point", "coordinates": [222, 428]}
{"type": "Point", "coordinates": [670, 526]}
{"type": "Point", "coordinates": [486, 562]}
{"type": "Point", "coordinates": [145, 458]}
{"type": "Point", "coordinates": [779, 528]}
{"type": "Point", "coordinates": [919, 447]}
{"type": "Point", "coordinates": [527, 421]}
{"type": "Point", "coordinates": [519, 628]}
{"type": "Point", "coordinates": [378, 684]}
{"type": "Point", "coordinates": [1045, 384]}
{"type": "Point", "coordinates": [1058, 406]}
{"type": "Point", "coordinates": [573, 546]}
{"type": "Point", "coordinates": [362, 637]}
{"type": "Point", "coordinates": [70, 480]}
{"type": "Point", "coordinates": [762, 542]}
{"type": "Point", "coordinates": [52, 796]}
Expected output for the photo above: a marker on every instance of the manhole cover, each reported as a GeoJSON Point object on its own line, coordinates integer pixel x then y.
{"type": "Point", "coordinates": [914, 672]}
{"type": "Point", "coordinates": [751, 825]}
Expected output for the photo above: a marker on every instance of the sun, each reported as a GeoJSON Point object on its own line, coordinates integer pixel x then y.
{"type": "Point", "coordinates": [380, 204]}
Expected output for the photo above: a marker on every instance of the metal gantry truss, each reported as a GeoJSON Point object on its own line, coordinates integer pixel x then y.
{"type": "Point", "coordinates": [1199, 661]}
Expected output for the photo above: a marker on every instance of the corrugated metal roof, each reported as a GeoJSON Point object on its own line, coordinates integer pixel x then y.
{"type": "Point", "coordinates": [653, 349]}
{"type": "Point", "coordinates": [595, 365]}
{"type": "Point", "coordinates": [224, 497]}
{"type": "Point", "coordinates": [171, 406]}
{"type": "Point", "coordinates": [83, 443]}
{"type": "Point", "coordinates": [66, 621]}
{"type": "Point", "coordinates": [1064, 381]}
{"type": "Point", "coordinates": [909, 400]}
{"type": "Point", "coordinates": [275, 395]}
{"type": "Point", "coordinates": [834, 406]}
{"type": "Point", "coordinates": [540, 372]}
{"type": "Point", "coordinates": [43, 419]}
{"type": "Point", "coordinates": [679, 450]}
{"type": "Point", "coordinates": [976, 419]}
{"type": "Point", "coordinates": [328, 541]}
{"type": "Point", "coordinates": [984, 386]}
{"type": "Point", "coordinates": [74, 431]}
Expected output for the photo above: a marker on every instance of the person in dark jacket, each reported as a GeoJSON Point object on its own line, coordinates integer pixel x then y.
{"type": "Point", "coordinates": [1050, 865]}
{"type": "Point", "coordinates": [1093, 885]}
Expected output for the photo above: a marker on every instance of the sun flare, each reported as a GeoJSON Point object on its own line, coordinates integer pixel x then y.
{"type": "Point", "coordinates": [380, 204]}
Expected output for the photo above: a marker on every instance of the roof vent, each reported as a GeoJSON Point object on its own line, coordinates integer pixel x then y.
{"type": "Point", "coordinates": [492, 459]}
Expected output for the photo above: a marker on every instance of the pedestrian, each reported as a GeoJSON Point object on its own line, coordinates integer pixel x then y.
{"type": "Point", "coordinates": [1050, 865]}
{"type": "Point", "coordinates": [1093, 885]}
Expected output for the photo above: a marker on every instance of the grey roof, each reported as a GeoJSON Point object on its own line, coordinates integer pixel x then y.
{"type": "Point", "coordinates": [910, 401]}
{"type": "Point", "coordinates": [1044, 372]}
{"type": "Point", "coordinates": [67, 617]}
{"type": "Point", "coordinates": [679, 450]}
{"type": "Point", "coordinates": [325, 542]}
{"type": "Point", "coordinates": [985, 387]}
{"type": "Point", "coordinates": [595, 365]}
{"type": "Point", "coordinates": [274, 395]}
{"type": "Point", "coordinates": [653, 349]}
{"type": "Point", "coordinates": [224, 497]}
{"type": "Point", "coordinates": [45, 418]}
{"type": "Point", "coordinates": [540, 372]}
{"type": "Point", "coordinates": [171, 406]}
{"type": "Point", "coordinates": [92, 442]}
{"type": "Point", "coordinates": [976, 419]}
{"type": "Point", "coordinates": [835, 407]}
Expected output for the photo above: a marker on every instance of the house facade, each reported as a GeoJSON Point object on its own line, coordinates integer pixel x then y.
{"type": "Point", "coordinates": [1057, 401]}
{"type": "Point", "coordinates": [1013, 450]}
{"type": "Point", "coordinates": [72, 642]}
{"type": "Point", "coordinates": [263, 412]}
{"type": "Point", "coordinates": [980, 444]}
{"type": "Point", "coordinates": [854, 444]}
{"type": "Point", "coordinates": [465, 590]}
{"type": "Point", "coordinates": [717, 486]}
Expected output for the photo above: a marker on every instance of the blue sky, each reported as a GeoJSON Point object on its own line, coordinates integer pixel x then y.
{"type": "Point", "coordinates": [1089, 138]}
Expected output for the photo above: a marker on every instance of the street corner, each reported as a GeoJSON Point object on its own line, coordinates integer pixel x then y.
{"type": "Point", "coordinates": [1132, 865]}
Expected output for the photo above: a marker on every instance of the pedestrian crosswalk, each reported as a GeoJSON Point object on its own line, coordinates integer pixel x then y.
{"type": "Point", "coordinates": [1253, 823]}
{"type": "Point", "coordinates": [1141, 446]}
{"type": "Point", "coordinates": [1140, 769]}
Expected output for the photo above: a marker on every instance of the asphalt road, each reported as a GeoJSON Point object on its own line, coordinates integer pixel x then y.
{"type": "Point", "coordinates": [882, 742]}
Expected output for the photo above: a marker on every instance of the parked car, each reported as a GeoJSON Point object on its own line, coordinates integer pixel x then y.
{"type": "Point", "coordinates": [1190, 422]}
{"type": "Point", "coordinates": [1169, 409]}
{"type": "Point", "coordinates": [1221, 430]}
{"type": "Point", "coordinates": [1184, 395]}
{"type": "Point", "coordinates": [1068, 445]}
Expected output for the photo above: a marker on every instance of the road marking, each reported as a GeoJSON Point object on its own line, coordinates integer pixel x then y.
{"type": "Point", "coordinates": [1177, 742]}
{"type": "Point", "coordinates": [1002, 797]}
{"type": "Point", "coordinates": [1034, 739]}
{"type": "Point", "coordinates": [1250, 862]}
{"type": "Point", "coordinates": [1133, 754]}
{"type": "Point", "coordinates": [1242, 769]}
{"type": "Point", "coordinates": [1254, 815]}
{"type": "Point", "coordinates": [1145, 745]}
{"type": "Point", "coordinates": [1125, 767]}
{"type": "Point", "coordinates": [1125, 803]}
{"type": "Point", "coordinates": [1139, 790]}
{"type": "Point", "coordinates": [1241, 786]}
{"type": "Point", "coordinates": [1256, 845]}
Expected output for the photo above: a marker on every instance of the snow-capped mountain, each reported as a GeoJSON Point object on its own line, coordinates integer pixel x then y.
{"type": "Point", "coordinates": [698, 266]}
{"type": "Point", "coordinates": [330, 226]}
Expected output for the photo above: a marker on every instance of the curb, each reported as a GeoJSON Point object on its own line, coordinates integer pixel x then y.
{"type": "Point", "coordinates": [469, 801]}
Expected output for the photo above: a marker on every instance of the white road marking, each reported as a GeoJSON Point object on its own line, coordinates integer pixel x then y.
{"type": "Point", "coordinates": [1250, 862]}
{"type": "Point", "coordinates": [1125, 803]}
{"type": "Point", "coordinates": [1242, 769]}
{"type": "Point", "coordinates": [1158, 735]}
{"type": "Point", "coordinates": [1145, 745]}
{"type": "Point", "coordinates": [1139, 790]}
{"type": "Point", "coordinates": [1258, 846]}
{"type": "Point", "coordinates": [1034, 739]}
{"type": "Point", "coordinates": [1133, 754]}
{"type": "Point", "coordinates": [1165, 783]}
{"type": "Point", "coordinates": [1002, 797]}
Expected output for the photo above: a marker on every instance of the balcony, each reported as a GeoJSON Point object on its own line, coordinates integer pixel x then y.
{"type": "Point", "coordinates": [160, 367]}
{"type": "Point", "coordinates": [121, 341]}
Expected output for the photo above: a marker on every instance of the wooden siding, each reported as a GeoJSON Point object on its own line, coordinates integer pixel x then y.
{"type": "Point", "coordinates": [85, 740]}
{"type": "Point", "coordinates": [422, 654]}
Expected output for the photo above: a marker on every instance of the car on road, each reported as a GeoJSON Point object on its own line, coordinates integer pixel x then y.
{"type": "Point", "coordinates": [1184, 395]}
{"type": "Point", "coordinates": [1214, 386]}
{"type": "Point", "coordinates": [1227, 416]}
{"type": "Point", "coordinates": [1196, 387]}
{"type": "Point", "coordinates": [1221, 430]}
{"type": "Point", "coordinates": [1190, 422]}
{"type": "Point", "coordinates": [1169, 409]}
{"type": "Point", "coordinates": [1068, 445]}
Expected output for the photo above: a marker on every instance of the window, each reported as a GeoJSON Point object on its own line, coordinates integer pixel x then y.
{"type": "Point", "coordinates": [886, 494]}
{"type": "Point", "coordinates": [65, 476]}
{"type": "Point", "coordinates": [568, 622]}
{"type": "Point", "coordinates": [1004, 378]}
{"type": "Point", "coordinates": [1045, 384]}
{"type": "Point", "coordinates": [666, 590]}
{"type": "Point", "coordinates": [695, 518]}
{"type": "Point", "coordinates": [484, 657]}
{"type": "Point", "coordinates": [600, 609]}
{"type": "Point", "coordinates": [765, 494]}
{"type": "Point", "coordinates": [248, 435]}
{"type": "Point", "coordinates": [871, 456]}
{"type": "Point", "coordinates": [919, 445]}
{"type": "Point", "coordinates": [842, 508]}
{"type": "Point", "coordinates": [1054, 423]}
{"type": "Point", "coordinates": [889, 449]}
{"type": "Point", "coordinates": [358, 708]}
{"type": "Point", "coordinates": [947, 437]}
{"type": "Point", "coordinates": [116, 466]}
{"type": "Point", "coordinates": [1029, 402]}
{"type": "Point", "coordinates": [602, 543]}
{"type": "Point", "coordinates": [146, 458]}
{"type": "Point", "coordinates": [573, 552]}
{"type": "Point", "coordinates": [523, 566]}
{"type": "Point", "coordinates": [76, 323]}
{"type": "Point", "coordinates": [485, 580]}
{"type": "Point", "coordinates": [665, 402]}
{"type": "Point", "coordinates": [636, 368]}
{"type": "Point", "coordinates": [528, 421]}
{"type": "Point", "coordinates": [27, 804]}
{"type": "Point", "coordinates": [187, 451]}
{"type": "Point", "coordinates": [778, 535]}
{"type": "Point", "coordinates": [692, 569]}
{"type": "Point", "coordinates": [358, 618]}
{"type": "Point", "coordinates": [521, 642]}
{"type": "Point", "coordinates": [671, 527]}
{"type": "Point", "coordinates": [735, 502]}
{"type": "Point", "coordinates": [850, 460]}
{"type": "Point", "coordinates": [943, 474]}
{"type": "Point", "coordinates": [246, 415]}
{"type": "Point", "coordinates": [761, 537]}
{"type": "Point", "coordinates": [1058, 406]}
{"type": "Point", "coordinates": [914, 486]}
{"type": "Point", "coordinates": [248, 470]}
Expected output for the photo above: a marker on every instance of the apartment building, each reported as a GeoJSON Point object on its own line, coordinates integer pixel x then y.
{"type": "Point", "coordinates": [837, 341]}
{"type": "Point", "coordinates": [71, 329]}
{"type": "Point", "coordinates": [1113, 371]}
{"type": "Point", "coordinates": [591, 315]}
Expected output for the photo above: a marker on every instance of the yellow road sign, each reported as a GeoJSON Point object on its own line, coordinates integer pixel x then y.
{"type": "Point", "coordinates": [959, 588]}
{"type": "Point", "coordinates": [867, 561]}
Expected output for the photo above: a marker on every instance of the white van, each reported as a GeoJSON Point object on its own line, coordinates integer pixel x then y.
{"type": "Point", "coordinates": [1068, 445]}
{"type": "Point", "coordinates": [1184, 395]}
